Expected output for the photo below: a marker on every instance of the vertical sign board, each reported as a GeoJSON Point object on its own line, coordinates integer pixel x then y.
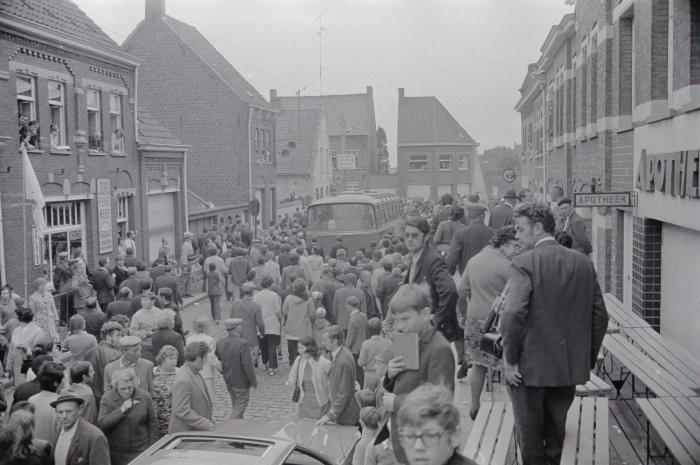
{"type": "Point", "coordinates": [36, 246]}
{"type": "Point", "coordinates": [104, 216]}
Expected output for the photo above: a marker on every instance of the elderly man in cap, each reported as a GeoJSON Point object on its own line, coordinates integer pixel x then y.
{"type": "Point", "coordinates": [502, 215]}
{"type": "Point", "coordinates": [78, 442]}
{"type": "Point", "coordinates": [187, 258]}
{"type": "Point", "coordinates": [131, 358]}
{"type": "Point", "coordinates": [237, 366]}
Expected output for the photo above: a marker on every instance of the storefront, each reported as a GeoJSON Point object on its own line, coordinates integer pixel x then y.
{"type": "Point", "coordinates": [65, 230]}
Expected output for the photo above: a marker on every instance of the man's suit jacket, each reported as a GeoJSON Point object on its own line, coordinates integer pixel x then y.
{"type": "Point", "coordinates": [555, 318]}
{"type": "Point", "coordinates": [236, 362]}
{"type": "Point", "coordinates": [119, 307]}
{"type": "Point", "coordinates": [501, 216]}
{"type": "Point", "coordinates": [576, 228]}
{"type": "Point", "coordinates": [344, 406]}
{"type": "Point", "coordinates": [466, 243]}
{"type": "Point", "coordinates": [191, 403]}
{"type": "Point", "coordinates": [88, 446]}
{"type": "Point", "coordinates": [171, 281]}
{"type": "Point", "coordinates": [103, 284]}
{"type": "Point", "coordinates": [432, 269]}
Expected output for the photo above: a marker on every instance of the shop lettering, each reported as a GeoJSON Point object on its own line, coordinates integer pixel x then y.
{"type": "Point", "coordinates": [673, 173]}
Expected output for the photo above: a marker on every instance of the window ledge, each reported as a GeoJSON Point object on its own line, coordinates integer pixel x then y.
{"type": "Point", "coordinates": [57, 151]}
{"type": "Point", "coordinates": [96, 153]}
{"type": "Point", "coordinates": [35, 151]}
{"type": "Point", "coordinates": [118, 154]}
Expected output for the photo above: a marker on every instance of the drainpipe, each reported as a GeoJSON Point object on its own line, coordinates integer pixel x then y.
{"type": "Point", "coordinates": [185, 193]}
{"type": "Point", "coordinates": [2, 248]}
{"type": "Point", "coordinates": [250, 163]}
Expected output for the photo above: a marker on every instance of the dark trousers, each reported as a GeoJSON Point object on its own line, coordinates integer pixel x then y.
{"type": "Point", "coordinates": [540, 421]}
{"type": "Point", "coordinates": [292, 346]}
{"type": "Point", "coordinates": [359, 372]}
{"type": "Point", "coordinates": [268, 349]}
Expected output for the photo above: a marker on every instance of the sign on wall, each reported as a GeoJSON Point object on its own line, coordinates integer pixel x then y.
{"type": "Point", "coordinates": [674, 173]}
{"type": "Point", "coordinates": [346, 161]}
{"type": "Point", "coordinates": [104, 216]}
{"type": "Point", "coordinates": [36, 247]}
{"type": "Point", "coordinates": [604, 199]}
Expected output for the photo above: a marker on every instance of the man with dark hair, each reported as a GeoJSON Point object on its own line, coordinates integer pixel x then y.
{"type": "Point", "coordinates": [169, 280]}
{"type": "Point", "coordinates": [292, 268]}
{"type": "Point", "coordinates": [469, 241]}
{"type": "Point", "coordinates": [27, 389]}
{"type": "Point", "coordinates": [340, 311]}
{"type": "Point", "coordinates": [50, 377]}
{"type": "Point", "coordinates": [237, 366]}
{"type": "Point", "coordinates": [103, 282]}
{"type": "Point", "coordinates": [81, 376]}
{"type": "Point", "coordinates": [237, 269]}
{"type": "Point", "coordinates": [574, 226]}
{"type": "Point", "coordinates": [344, 408]}
{"type": "Point", "coordinates": [548, 348]}
{"type": "Point", "coordinates": [443, 214]}
{"type": "Point", "coordinates": [387, 284]}
{"type": "Point", "coordinates": [502, 215]}
{"type": "Point", "coordinates": [191, 400]}
{"type": "Point", "coordinates": [121, 306]}
{"type": "Point", "coordinates": [94, 318]}
{"type": "Point", "coordinates": [338, 245]}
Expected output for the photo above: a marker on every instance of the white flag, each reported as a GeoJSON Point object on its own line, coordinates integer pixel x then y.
{"type": "Point", "coordinates": [32, 191]}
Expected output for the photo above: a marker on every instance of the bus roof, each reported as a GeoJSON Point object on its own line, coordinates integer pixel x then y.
{"type": "Point", "coordinates": [357, 197]}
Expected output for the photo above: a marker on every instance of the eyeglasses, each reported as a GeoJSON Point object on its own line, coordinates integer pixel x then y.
{"type": "Point", "coordinates": [414, 235]}
{"type": "Point", "coordinates": [428, 438]}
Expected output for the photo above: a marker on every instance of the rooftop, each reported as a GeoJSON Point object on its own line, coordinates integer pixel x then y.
{"type": "Point", "coordinates": [301, 127]}
{"type": "Point", "coordinates": [424, 120]}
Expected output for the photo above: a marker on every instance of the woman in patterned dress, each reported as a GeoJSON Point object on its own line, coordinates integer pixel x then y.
{"type": "Point", "coordinates": [45, 313]}
{"type": "Point", "coordinates": [310, 372]}
{"type": "Point", "coordinates": [163, 379]}
{"type": "Point", "coordinates": [484, 278]}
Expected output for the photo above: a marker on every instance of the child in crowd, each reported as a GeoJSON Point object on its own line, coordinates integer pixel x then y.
{"type": "Point", "coordinates": [320, 323]}
{"type": "Point", "coordinates": [374, 354]}
{"type": "Point", "coordinates": [370, 418]}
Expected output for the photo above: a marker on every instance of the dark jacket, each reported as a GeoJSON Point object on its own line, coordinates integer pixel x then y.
{"type": "Point", "coordinates": [251, 314]}
{"type": "Point", "coordinates": [466, 243]}
{"type": "Point", "coordinates": [170, 281]}
{"type": "Point", "coordinates": [236, 362]}
{"type": "Point", "coordinates": [120, 307]}
{"type": "Point", "coordinates": [436, 365]}
{"type": "Point", "coordinates": [166, 336]}
{"type": "Point", "coordinates": [502, 215]}
{"type": "Point", "coordinates": [104, 285]}
{"type": "Point", "coordinates": [575, 227]}
{"type": "Point", "coordinates": [555, 319]}
{"type": "Point", "coordinates": [25, 390]}
{"type": "Point", "coordinates": [344, 407]}
{"type": "Point", "coordinates": [129, 433]}
{"type": "Point", "coordinates": [89, 446]}
{"type": "Point", "coordinates": [432, 269]}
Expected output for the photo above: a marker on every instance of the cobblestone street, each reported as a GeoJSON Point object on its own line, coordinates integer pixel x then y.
{"type": "Point", "coordinates": [271, 400]}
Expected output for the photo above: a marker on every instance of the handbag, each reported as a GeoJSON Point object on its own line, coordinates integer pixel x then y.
{"type": "Point", "coordinates": [492, 341]}
{"type": "Point", "coordinates": [297, 392]}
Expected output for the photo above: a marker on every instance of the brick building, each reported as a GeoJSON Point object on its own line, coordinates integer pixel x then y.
{"type": "Point", "coordinates": [636, 102]}
{"type": "Point", "coordinates": [229, 127]}
{"type": "Point", "coordinates": [352, 131]}
{"type": "Point", "coordinates": [435, 154]}
{"type": "Point", "coordinates": [304, 169]}
{"type": "Point", "coordinates": [72, 92]}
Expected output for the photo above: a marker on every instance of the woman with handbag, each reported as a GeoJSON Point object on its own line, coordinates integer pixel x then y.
{"type": "Point", "coordinates": [485, 277]}
{"type": "Point", "coordinates": [310, 376]}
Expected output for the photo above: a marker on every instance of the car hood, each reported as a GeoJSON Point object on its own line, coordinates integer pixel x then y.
{"type": "Point", "coordinates": [334, 441]}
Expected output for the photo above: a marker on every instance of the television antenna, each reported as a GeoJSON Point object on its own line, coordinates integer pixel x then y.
{"type": "Point", "coordinates": [320, 53]}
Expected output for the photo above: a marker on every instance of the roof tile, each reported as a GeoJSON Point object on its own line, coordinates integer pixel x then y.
{"type": "Point", "coordinates": [343, 113]}
{"type": "Point", "coordinates": [301, 127]}
{"type": "Point", "coordinates": [424, 120]}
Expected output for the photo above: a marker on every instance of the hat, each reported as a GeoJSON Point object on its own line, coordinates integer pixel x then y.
{"type": "Point", "coordinates": [188, 234]}
{"type": "Point", "coordinates": [62, 255]}
{"type": "Point", "coordinates": [66, 396]}
{"type": "Point", "coordinates": [129, 341]}
{"type": "Point", "coordinates": [232, 323]}
{"type": "Point", "coordinates": [510, 195]}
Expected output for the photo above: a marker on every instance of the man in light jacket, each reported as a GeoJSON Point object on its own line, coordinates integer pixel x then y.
{"type": "Point", "coordinates": [191, 400]}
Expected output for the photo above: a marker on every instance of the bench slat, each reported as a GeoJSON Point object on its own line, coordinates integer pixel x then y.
{"type": "Point", "coordinates": [505, 436]}
{"type": "Point", "coordinates": [471, 449]}
{"type": "Point", "coordinates": [621, 316]}
{"type": "Point", "coordinates": [650, 409]}
{"type": "Point", "coordinates": [685, 427]}
{"type": "Point", "coordinates": [488, 443]}
{"type": "Point", "coordinates": [568, 453]}
{"type": "Point", "coordinates": [602, 431]}
{"type": "Point", "coordinates": [593, 387]}
{"type": "Point", "coordinates": [585, 448]}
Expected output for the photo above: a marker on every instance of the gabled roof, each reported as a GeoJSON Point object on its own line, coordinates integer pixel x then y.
{"type": "Point", "coordinates": [349, 114]}
{"type": "Point", "coordinates": [303, 128]}
{"type": "Point", "coordinates": [201, 47]}
{"type": "Point", "coordinates": [424, 120]}
{"type": "Point", "coordinates": [61, 15]}
{"type": "Point", "coordinates": [152, 132]}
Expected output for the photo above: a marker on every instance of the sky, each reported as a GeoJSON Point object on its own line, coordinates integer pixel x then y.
{"type": "Point", "coordinates": [470, 54]}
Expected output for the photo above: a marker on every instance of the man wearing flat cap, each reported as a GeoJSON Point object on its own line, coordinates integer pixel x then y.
{"type": "Point", "coordinates": [131, 358]}
{"type": "Point", "coordinates": [236, 365]}
{"type": "Point", "coordinates": [502, 215]}
{"type": "Point", "coordinates": [77, 442]}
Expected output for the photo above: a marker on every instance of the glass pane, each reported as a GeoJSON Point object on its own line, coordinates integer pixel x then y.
{"type": "Point", "coordinates": [115, 105]}
{"type": "Point", "coordinates": [55, 243]}
{"type": "Point", "coordinates": [25, 86]}
{"type": "Point", "coordinates": [341, 217]}
{"type": "Point", "coordinates": [55, 92]}
{"type": "Point", "coordinates": [92, 100]}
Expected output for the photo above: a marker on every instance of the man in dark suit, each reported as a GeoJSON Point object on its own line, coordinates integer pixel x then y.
{"type": "Point", "coordinates": [191, 400]}
{"type": "Point", "coordinates": [574, 226]}
{"type": "Point", "coordinates": [121, 306]}
{"type": "Point", "coordinates": [553, 326]}
{"type": "Point", "coordinates": [168, 279]}
{"type": "Point", "coordinates": [502, 215]}
{"type": "Point", "coordinates": [344, 407]}
{"type": "Point", "coordinates": [103, 282]}
{"type": "Point", "coordinates": [411, 309]}
{"type": "Point", "coordinates": [78, 442]}
{"type": "Point", "coordinates": [237, 366]}
{"type": "Point", "coordinates": [338, 245]}
{"type": "Point", "coordinates": [427, 265]}
{"type": "Point", "coordinates": [444, 213]}
{"type": "Point", "coordinates": [468, 241]}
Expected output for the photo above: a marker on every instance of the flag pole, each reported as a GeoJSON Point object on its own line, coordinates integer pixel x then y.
{"type": "Point", "coordinates": [24, 218]}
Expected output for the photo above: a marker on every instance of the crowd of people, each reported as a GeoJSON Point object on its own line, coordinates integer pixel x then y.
{"type": "Point", "coordinates": [370, 334]}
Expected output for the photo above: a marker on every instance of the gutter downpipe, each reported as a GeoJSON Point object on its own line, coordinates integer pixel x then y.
{"type": "Point", "coordinates": [3, 273]}
{"type": "Point", "coordinates": [250, 165]}
{"type": "Point", "coordinates": [186, 192]}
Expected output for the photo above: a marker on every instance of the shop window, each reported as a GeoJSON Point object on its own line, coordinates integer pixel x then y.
{"type": "Point", "coordinates": [94, 119]}
{"type": "Point", "coordinates": [116, 121]}
{"type": "Point", "coordinates": [445, 162]}
{"type": "Point", "coordinates": [463, 160]}
{"type": "Point", "coordinates": [57, 113]}
{"type": "Point", "coordinates": [26, 112]}
{"type": "Point", "coordinates": [65, 230]}
{"type": "Point", "coordinates": [418, 163]}
{"type": "Point", "coordinates": [122, 216]}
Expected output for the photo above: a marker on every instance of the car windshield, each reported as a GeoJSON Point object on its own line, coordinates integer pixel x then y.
{"type": "Point", "coordinates": [341, 217]}
{"type": "Point", "coordinates": [238, 447]}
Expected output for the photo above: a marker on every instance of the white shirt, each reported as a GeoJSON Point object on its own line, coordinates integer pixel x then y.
{"type": "Point", "coordinates": [63, 444]}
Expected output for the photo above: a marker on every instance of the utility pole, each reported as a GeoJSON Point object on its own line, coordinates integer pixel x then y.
{"type": "Point", "coordinates": [320, 54]}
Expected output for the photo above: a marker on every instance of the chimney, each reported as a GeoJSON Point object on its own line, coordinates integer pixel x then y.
{"type": "Point", "coordinates": [155, 9]}
{"type": "Point", "coordinates": [369, 91]}
{"type": "Point", "coordinates": [400, 92]}
{"type": "Point", "coordinates": [273, 94]}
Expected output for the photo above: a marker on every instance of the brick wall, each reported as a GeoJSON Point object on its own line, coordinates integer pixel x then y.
{"type": "Point", "coordinates": [646, 269]}
{"type": "Point", "coordinates": [622, 172]}
{"type": "Point", "coordinates": [617, 248]}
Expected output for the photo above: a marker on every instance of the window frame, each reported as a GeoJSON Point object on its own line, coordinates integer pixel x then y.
{"type": "Point", "coordinates": [31, 100]}
{"type": "Point", "coordinates": [97, 111]}
{"type": "Point", "coordinates": [411, 161]}
{"type": "Point", "coordinates": [440, 161]}
{"type": "Point", "coordinates": [61, 107]}
{"type": "Point", "coordinates": [462, 162]}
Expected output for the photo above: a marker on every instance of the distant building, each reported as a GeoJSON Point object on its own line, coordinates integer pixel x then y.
{"type": "Point", "coordinates": [197, 94]}
{"type": "Point", "coordinates": [496, 166]}
{"type": "Point", "coordinates": [304, 166]}
{"type": "Point", "coordinates": [435, 153]}
{"type": "Point", "coordinates": [352, 132]}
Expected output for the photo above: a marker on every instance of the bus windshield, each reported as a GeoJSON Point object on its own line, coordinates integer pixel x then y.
{"type": "Point", "coordinates": [341, 217]}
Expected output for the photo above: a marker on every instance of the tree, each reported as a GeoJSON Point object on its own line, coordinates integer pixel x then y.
{"type": "Point", "coordinates": [382, 152]}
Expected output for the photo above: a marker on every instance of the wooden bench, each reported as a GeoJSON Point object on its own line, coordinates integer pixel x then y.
{"type": "Point", "coordinates": [586, 440]}
{"type": "Point", "coordinates": [675, 359]}
{"type": "Point", "coordinates": [594, 387]}
{"type": "Point", "coordinates": [655, 377]}
{"type": "Point", "coordinates": [622, 317]}
{"type": "Point", "coordinates": [491, 435]}
{"type": "Point", "coordinates": [677, 421]}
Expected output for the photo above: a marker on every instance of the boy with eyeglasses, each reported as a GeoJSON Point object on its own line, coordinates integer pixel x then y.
{"type": "Point", "coordinates": [428, 425]}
